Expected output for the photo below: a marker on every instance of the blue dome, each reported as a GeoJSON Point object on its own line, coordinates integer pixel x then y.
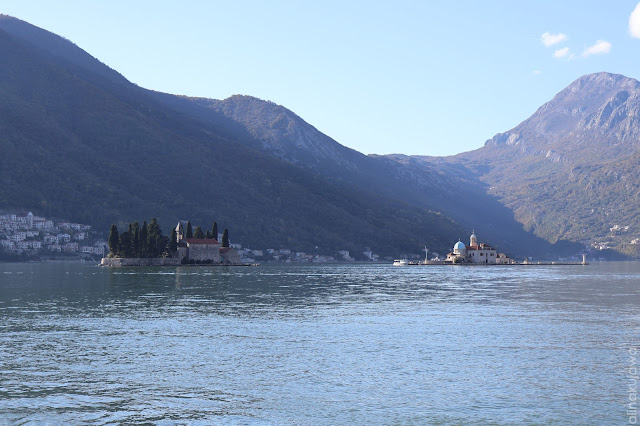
{"type": "Point", "coordinates": [459, 246]}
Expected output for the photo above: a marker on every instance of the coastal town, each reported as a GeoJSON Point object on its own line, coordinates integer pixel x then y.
{"type": "Point", "coordinates": [25, 236]}
{"type": "Point", "coordinates": [29, 236]}
{"type": "Point", "coordinates": [286, 255]}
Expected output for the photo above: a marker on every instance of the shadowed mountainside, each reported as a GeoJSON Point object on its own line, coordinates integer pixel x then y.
{"type": "Point", "coordinates": [81, 142]}
{"type": "Point", "coordinates": [571, 170]}
{"type": "Point", "coordinates": [438, 186]}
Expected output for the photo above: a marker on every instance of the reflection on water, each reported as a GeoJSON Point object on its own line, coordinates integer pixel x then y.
{"type": "Point", "coordinates": [317, 344]}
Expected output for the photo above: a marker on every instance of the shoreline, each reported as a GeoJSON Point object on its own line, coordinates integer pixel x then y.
{"type": "Point", "coordinates": [501, 264]}
{"type": "Point", "coordinates": [123, 262]}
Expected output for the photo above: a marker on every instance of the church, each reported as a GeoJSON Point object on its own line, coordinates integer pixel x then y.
{"type": "Point", "coordinates": [203, 250]}
{"type": "Point", "coordinates": [476, 253]}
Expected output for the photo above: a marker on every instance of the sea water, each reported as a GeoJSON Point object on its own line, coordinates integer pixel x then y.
{"type": "Point", "coordinates": [318, 344]}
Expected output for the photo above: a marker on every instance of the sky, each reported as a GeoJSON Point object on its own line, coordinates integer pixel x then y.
{"type": "Point", "coordinates": [411, 77]}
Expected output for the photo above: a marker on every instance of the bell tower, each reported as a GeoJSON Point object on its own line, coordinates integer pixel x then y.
{"type": "Point", "coordinates": [473, 241]}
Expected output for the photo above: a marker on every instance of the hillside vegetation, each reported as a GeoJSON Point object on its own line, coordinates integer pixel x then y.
{"type": "Point", "coordinates": [94, 148]}
{"type": "Point", "coordinates": [442, 187]}
{"type": "Point", "coordinates": [81, 142]}
{"type": "Point", "coordinates": [571, 171]}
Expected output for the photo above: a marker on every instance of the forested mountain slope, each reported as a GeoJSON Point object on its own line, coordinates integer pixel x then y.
{"type": "Point", "coordinates": [572, 170]}
{"type": "Point", "coordinates": [439, 185]}
{"type": "Point", "coordinates": [81, 142]}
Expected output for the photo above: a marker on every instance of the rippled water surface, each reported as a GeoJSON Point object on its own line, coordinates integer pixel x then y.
{"type": "Point", "coordinates": [329, 344]}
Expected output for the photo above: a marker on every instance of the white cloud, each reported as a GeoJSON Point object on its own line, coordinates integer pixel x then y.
{"type": "Point", "coordinates": [551, 39]}
{"type": "Point", "coordinates": [536, 72]}
{"type": "Point", "coordinates": [599, 48]}
{"type": "Point", "coordinates": [561, 53]}
{"type": "Point", "coordinates": [634, 22]}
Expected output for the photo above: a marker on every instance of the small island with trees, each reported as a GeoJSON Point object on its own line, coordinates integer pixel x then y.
{"type": "Point", "coordinates": [145, 245]}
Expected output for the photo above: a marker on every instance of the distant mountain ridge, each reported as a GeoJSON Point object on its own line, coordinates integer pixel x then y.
{"type": "Point", "coordinates": [577, 153]}
{"type": "Point", "coordinates": [80, 141]}
{"type": "Point", "coordinates": [599, 105]}
{"type": "Point", "coordinates": [449, 189]}
{"type": "Point", "coordinates": [57, 46]}
{"type": "Point", "coordinates": [571, 170]}
{"type": "Point", "coordinates": [282, 132]}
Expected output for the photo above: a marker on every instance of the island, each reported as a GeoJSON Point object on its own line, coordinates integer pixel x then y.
{"type": "Point", "coordinates": [477, 254]}
{"type": "Point", "coordinates": [146, 245]}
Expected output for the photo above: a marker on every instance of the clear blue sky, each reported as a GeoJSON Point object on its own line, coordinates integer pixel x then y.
{"type": "Point", "coordinates": [413, 77]}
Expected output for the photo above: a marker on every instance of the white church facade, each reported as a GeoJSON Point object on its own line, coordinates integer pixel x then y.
{"type": "Point", "coordinates": [476, 253]}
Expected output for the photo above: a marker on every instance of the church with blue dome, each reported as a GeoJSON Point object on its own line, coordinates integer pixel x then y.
{"type": "Point", "coordinates": [476, 253]}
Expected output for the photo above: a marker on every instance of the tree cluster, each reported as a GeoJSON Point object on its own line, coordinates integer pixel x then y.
{"type": "Point", "coordinates": [199, 233]}
{"type": "Point", "coordinates": [148, 241]}
{"type": "Point", "coordinates": [141, 241]}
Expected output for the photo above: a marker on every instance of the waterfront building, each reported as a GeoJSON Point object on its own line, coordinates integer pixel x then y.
{"type": "Point", "coordinates": [476, 253]}
{"type": "Point", "coordinates": [199, 249]}
{"type": "Point", "coordinates": [205, 250]}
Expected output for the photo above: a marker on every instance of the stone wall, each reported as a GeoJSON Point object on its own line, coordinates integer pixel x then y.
{"type": "Point", "coordinates": [183, 253]}
{"type": "Point", "coordinates": [141, 261]}
{"type": "Point", "coordinates": [204, 252]}
{"type": "Point", "coordinates": [230, 256]}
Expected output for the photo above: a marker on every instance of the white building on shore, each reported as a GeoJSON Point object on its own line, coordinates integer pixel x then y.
{"type": "Point", "coordinates": [476, 253]}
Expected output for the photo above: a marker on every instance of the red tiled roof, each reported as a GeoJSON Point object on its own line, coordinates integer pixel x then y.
{"type": "Point", "coordinates": [225, 249]}
{"type": "Point", "coordinates": [192, 241]}
{"type": "Point", "coordinates": [482, 246]}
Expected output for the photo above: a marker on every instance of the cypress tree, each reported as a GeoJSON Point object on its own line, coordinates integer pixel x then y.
{"type": "Point", "coordinates": [173, 242]}
{"type": "Point", "coordinates": [144, 244]}
{"type": "Point", "coordinates": [163, 246]}
{"type": "Point", "coordinates": [131, 249]}
{"type": "Point", "coordinates": [125, 244]}
{"type": "Point", "coordinates": [154, 238]}
{"type": "Point", "coordinates": [198, 232]}
{"type": "Point", "coordinates": [208, 234]}
{"type": "Point", "coordinates": [214, 231]}
{"type": "Point", "coordinates": [114, 240]}
{"type": "Point", "coordinates": [225, 238]}
{"type": "Point", "coordinates": [136, 242]}
{"type": "Point", "coordinates": [136, 239]}
{"type": "Point", "coordinates": [189, 230]}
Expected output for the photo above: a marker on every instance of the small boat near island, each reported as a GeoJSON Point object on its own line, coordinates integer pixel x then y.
{"type": "Point", "coordinates": [401, 262]}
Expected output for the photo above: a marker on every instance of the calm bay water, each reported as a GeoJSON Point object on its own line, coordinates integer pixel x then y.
{"type": "Point", "coordinates": [317, 344]}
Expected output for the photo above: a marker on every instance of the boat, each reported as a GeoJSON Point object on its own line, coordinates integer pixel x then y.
{"type": "Point", "coordinates": [401, 262]}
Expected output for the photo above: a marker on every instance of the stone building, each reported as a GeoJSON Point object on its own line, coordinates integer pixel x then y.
{"type": "Point", "coordinates": [181, 230]}
{"type": "Point", "coordinates": [229, 256]}
{"type": "Point", "coordinates": [203, 250]}
{"type": "Point", "coordinates": [476, 253]}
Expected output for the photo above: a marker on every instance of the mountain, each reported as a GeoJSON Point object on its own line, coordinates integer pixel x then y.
{"type": "Point", "coordinates": [279, 131]}
{"type": "Point", "coordinates": [61, 49]}
{"type": "Point", "coordinates": [437, 186]}
{"type": "Point", "coordinates": [81, 142]}
{"type": "Point", "coordinates": [571, 170]}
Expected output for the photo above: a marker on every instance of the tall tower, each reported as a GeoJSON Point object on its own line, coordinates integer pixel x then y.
{"type": "Point", "coordinates": [180, 231]}
{"type": "Point", "coordinates": [473, 241]}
